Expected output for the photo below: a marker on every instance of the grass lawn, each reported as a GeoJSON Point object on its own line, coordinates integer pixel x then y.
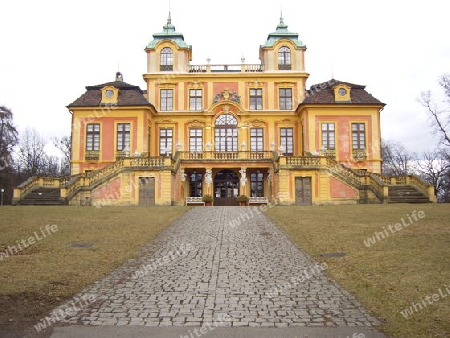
{"type": "Point", "coordinates": [411, 265]}
{"type": "Point", "coordinates": [35, 279]}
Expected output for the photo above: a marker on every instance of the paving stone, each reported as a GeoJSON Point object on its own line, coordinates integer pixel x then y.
{"type": "Point", "coordinates": [204, 270]}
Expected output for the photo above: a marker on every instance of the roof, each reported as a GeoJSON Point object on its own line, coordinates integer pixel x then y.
{"type": "Point", "coordinates": [168, 33]}
{"type": "Point", "coordinates": [322, 93]}
{"type": "Point", "coordinates": [282, 33]}
{"type": "Point", "coordinates": [129, 95]}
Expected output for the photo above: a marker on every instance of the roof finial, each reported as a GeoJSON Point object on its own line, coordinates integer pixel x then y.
{"type": "Point", "coordinates": [281, 13]}
{"type": "Point", "coordinates": [282, 24]}
{"type": "Point", "coordinates": [169, 20]}
{"type": "Point", "coordinates": [168, 27]}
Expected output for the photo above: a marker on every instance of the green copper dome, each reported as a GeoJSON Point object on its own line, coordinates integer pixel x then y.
{"type": "Point", "coordinates": [282, 32]}
{"type": "Point", "coordinates": [168, 33]}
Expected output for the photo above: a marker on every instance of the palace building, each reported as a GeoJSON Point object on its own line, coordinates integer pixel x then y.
{"type": "Point", "coordinates": [226, 130]}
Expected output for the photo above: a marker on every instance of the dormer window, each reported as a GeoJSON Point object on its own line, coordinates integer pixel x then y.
{"type": "Point", "coordinates": [284, 58]}
{"type": "Point", "coordinates": [109, 95]}
{"type": "Point", "coordinates": [166, 59]}
{"type": "Point", "coordinates": [342, 93]}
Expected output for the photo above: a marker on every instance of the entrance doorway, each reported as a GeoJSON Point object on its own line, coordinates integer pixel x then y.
{"type": "Point", "coordinates": [146, 191]}
{"type": "Point", "coordinates": [226, 188]}
{"type": "Point", "coordinates": [303, 191]}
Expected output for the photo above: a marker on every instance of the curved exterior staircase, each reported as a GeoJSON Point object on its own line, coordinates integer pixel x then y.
{"type": "Point", "coordinates": [76, 189]}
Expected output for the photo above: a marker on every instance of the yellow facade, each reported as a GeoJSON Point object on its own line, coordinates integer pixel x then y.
{"type": "Point", "coordinates": [227, 89]}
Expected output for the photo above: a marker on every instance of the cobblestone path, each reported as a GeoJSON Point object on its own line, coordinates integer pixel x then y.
{"type": "Point", "coordinates": [206, 269]}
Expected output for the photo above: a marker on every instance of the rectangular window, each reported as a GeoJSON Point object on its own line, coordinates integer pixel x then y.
{"type": "Point", "coordinates": [285, 98]}
{"type": "Point", "coordinates": [287, 141]}
{"type": "Point", "coordinates": [256, 139]}
{"type": "Point", "coordinates": [93, 137]}
{"type": "Point", "coordinates": [195, 139]}
{"type": "Point", "coordinates": [226, 139]}
{"type": "Point", "coordinates": [195, 184]}
{"type": "Point", "coordinates": [123, 137]}
{"type": "Point", "coordinates": [165, 141]}
{"type": "Point", "coordinates": [256, 99]}
{"type": "Point", "coordinates": [195, 99]}
{"type": "Point", "coordinates": [358, 136]}
{"type": "Point", "coordinates": [328, 136]}
{"type": "Point", "coordinates": [257, 184]}
{"type": "Point", "coordinates": [166, 99]}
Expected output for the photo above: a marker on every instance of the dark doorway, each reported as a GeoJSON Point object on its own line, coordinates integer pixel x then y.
{"type": "Point", "coordinates": [303, 190]}
{"type": "Point", "coordinates": [146, 191]}
{"type": "Point", "coordinates": [226, 188]}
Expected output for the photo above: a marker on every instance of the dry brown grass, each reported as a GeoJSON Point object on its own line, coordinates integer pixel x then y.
{"type": "Point", "coordinates": [51, 270]}
{"type": "Point", "coordinates": [388, 276]}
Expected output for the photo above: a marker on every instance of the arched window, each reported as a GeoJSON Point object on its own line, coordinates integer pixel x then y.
{"type": "Point", "coordinates": [284, 58]}
{"type": "Point", "coordinates": [226, 133]}
{"type": "Point", "coordinates": [166, 59]}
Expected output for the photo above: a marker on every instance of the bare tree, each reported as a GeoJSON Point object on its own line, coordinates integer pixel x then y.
{"type": "Point", "coordinates": [397, 161]}
{"type": "Point", "coordinates": [64, 145]}
{"type": "Point", "coordinates": [434, 168]}
{"type": "Point", "coordinates": [436, 165]}
{"type": "Point", "coordinates": [52, 166]}
{"type": "Point", "coordinates": [439, 112]}
{"type": "Point", "coordinates": [31, 156]}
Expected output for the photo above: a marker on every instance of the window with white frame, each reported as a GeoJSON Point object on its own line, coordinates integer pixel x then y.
{"type": "Point", "coordinates": [256, 99]}
{"type": "Point", "coordinates": [328, 136]}
{"type": "Point", "coordinates": [195, 139]}
{"type": "Point", "coordinates": [358, 136]}
{"type": "Point", "coordinates": [166, 99]}
{"type": "Point", "coordinates": [166, 59]}
{"type": "Point", "coordinates": [165, 141]}
{"type": "Point", "coordinates": [285, 98]}
{"type": "Point", "coordinates": [256, 139]}
{"type": "Point", "coordinates": [287, 141]}
{"type": "Point", "coordinates": [195, 99]}
{"type": "Point", "coordinates": [123, 136]}
{"type": "Point", "coordinates": [93, 137]}
{"type": "Point", "coordinates": [284, 58]}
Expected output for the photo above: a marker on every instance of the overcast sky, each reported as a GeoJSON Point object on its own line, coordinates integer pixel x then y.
{"type": "Point", "coordinates": [51, 50]}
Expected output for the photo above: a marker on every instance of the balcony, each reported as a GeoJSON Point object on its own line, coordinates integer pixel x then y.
{"type": "Point", "coordinates": [329, 153]}
{"type": "Point", "coordinates": [359, 154]}
{"type": "Point", "coordinates": [92, 155]}
{"type": "Point", "coordinates": [233, 68]}
{"type": "Point", "coordinates": [284, 67]}
{"type": "Point", "coordinates": [122, 154]}
{"type": "Point", "coordinates": [166, 68]}
{"type": "Point", "coordinates": [225, 156]}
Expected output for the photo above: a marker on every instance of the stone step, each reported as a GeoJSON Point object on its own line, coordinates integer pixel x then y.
{"type": "Point", "coordinates": [41, 202]}
{"type": "Point", "coordinates": [406, 194]}
{"type": "Point", "coordinates": [43, 196]}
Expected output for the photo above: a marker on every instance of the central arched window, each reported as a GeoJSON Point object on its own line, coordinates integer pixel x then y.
{"type": "Point", "coordinates": [284, 58]}
{"type": "Point", "coordinates": [166, 59]}
{"type": "Point", "coordinates": [226, 133]}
